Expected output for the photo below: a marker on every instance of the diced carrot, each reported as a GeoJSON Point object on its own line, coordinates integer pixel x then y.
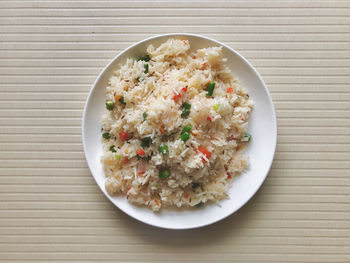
{"type": "Point", "coordinates": [156, 201]}
{"type": "Point", "coordinates": [194, 57]}
{"type": "Point", "coordinates": [186, 195]}
{"type": "Point", "coordinates": [176, 97]}
{"type": "Point", "coordinates": [238, 147]}
{"type": "Point", "coordinates": [209, 118]}
{"type": "Point", "coordinates": [162, 130]}
{"type": "Point", "coordinates": [117, 98]}
{"type": "Point", "coordinates": [124, 136]}
{"type": "Point", "coordinates": [140, 152]}
{"type": "Point", "coordinates": [127, 192]}
{"type": "Point", "coordinates": [141, 172]}
{"type": "Point", "coordinates": [181, 38]}
{"type": "Point", "coordinates": [229, 90]}
{"type": "Point", "coordinates": [205, 152]}
{"type": "Point", "coordinates": [228, 174]}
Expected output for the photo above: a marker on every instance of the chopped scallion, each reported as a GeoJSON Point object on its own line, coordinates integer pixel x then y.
{"type": "Point", "coordinates": [121, 100]}
{"type": "Point", "coordinates": [146, 68]}
{"type": "Point", "coordinates": [216, 107]}
{"type": "Point", "coordinates": [210, 88]}
{"type": "Point", "coordinates": [106, 135]}
{"type": "Point", "coordinates": [186, 105]}
{"type": "Point", "coordinates": [185, 113]}
{"type": "Point", "coordinates": [165, 173]}
{"type": "Point", "coordinates": [195, 185]}
{"type": "Point", "coordinates": [186, 109]}
{"type": "Point", "coordinates": [247, 137]}
{"type": "Point", "coordinates": [200, 204]}
{"type": "Point", "coordinates": [110, 105]}
{"type": "Point", "coordinates": [146, 142]}
{"type": "Point", "coordinates": [145, 58]}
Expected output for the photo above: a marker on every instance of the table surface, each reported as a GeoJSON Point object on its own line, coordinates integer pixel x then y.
{"type": "Point", "coordinates": [51, 210]}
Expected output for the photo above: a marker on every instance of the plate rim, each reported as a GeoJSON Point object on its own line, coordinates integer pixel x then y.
{"type": "Point", "coordinates": [274, 117]}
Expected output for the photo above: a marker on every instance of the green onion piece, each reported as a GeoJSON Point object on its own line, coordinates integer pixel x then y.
{"type": "Point", "coordinates": [185, 136]}
{"type": "Point", "coordinates": [216, 106]}
{"type": "Point", "coordinates": [165, 173]}
{"type": "Point", "coordinates": [186, 105]}
{"type": "Point", "coordinates": [117, 157]}
{"type": "Point", "coordinates": [163, 148]}
{"type": "Point", "coordinates": [121, 100]}
{"type": "Point", "coordinates": [145, 58]}
{"type": "Point", "coordinates": [195, 185]}
{"type": "Point", "coordinates": [144, 116]}
{"type": "Point", "coordinates": [185, 113]}
{"type": "Point", "coordinates": [146, 158]}
{"type": "Point", "coordinates": [187, 128]}
{"type": "Point", "coordinates": [146, 142]}
{"type": "Point", "coordinates": [106, 135]}
{"type": "Point", "coordinates": [210, 88]}
{"type": "Point", "coordinates": [110, 105]}
{"type": "Point", "coordinates": [146, 68]}
{"type": "Point", "coordinates": [247, 137]}
{"type": "Point", "coordinates": [112, 149]}
{"type": "Point", "coordinates": [199, 204]}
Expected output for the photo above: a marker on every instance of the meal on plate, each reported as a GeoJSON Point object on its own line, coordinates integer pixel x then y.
{"type": "Point", "coordinates": [174, 128]}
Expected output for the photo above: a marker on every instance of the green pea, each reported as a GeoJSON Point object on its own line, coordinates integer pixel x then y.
{"type": "Point", "coordinates": [163, 148]}
{"type": "Point", "coordinates": [187, 128]}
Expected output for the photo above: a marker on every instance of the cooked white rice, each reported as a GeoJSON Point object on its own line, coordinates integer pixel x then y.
{"type": "Point", "coordinates": [201, 168]}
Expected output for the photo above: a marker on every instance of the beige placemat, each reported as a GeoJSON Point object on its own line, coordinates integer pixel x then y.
{"type": "Point", "coordinates": [51, 210]}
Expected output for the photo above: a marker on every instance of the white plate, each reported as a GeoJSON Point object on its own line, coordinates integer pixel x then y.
{"type": "Point", "coordinates": [262, 125]}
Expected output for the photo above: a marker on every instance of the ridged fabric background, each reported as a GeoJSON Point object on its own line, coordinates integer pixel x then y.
{"type": "Point", "coordinates": [51, 210]}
